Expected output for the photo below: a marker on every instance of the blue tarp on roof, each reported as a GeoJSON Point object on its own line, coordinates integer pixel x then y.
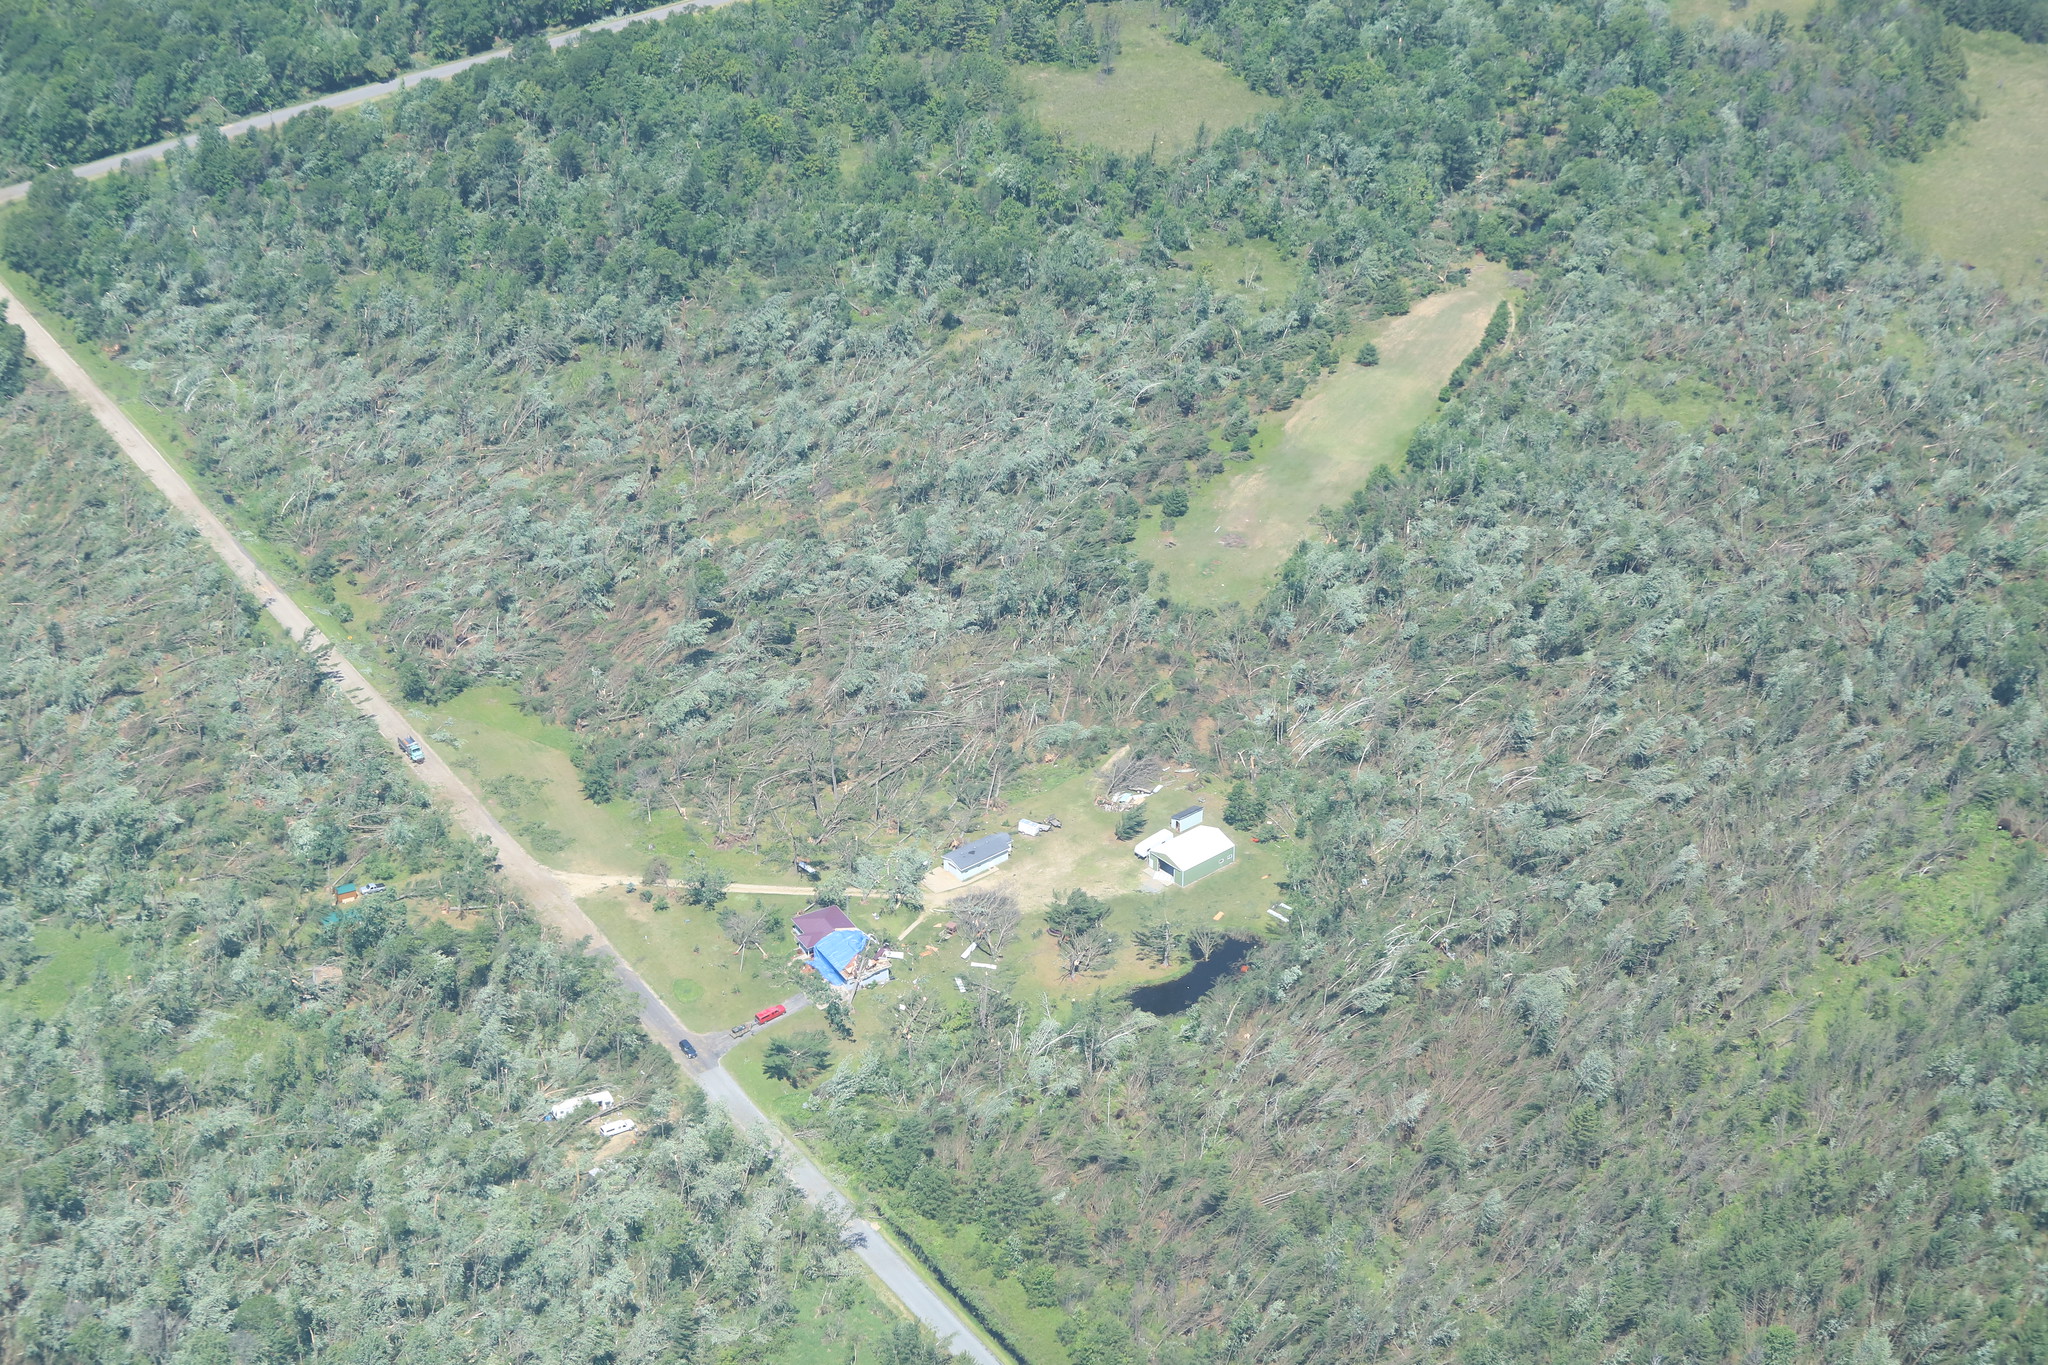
{"type": "Point", "coordinates": [834, 951]}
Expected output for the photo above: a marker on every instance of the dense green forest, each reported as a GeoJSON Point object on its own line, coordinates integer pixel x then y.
{"type": "Point", "coordinates": [767, 396]}
{"type": "Point", "coordinates": [243, 1125]}
{"type": "Point", "coordinates": [79, 81]}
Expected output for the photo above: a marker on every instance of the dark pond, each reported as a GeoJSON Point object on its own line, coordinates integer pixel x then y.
{"type": "Point", "coordinates": [1171, 997]}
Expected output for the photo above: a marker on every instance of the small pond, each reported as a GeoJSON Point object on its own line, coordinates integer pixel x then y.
{"type": "Point", "coordinates": [1171, 997]}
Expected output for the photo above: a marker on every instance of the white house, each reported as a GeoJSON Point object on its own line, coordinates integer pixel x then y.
{"type": "Point", "coordinates": [984, 855]}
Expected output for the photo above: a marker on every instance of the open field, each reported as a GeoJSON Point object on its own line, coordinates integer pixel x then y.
{"type": "Point", "coordinates": [1255, 270]}
{"type": "Point", "coordinates": [1724, 15]}
{"type": "Point", "coordinates": [1981, 198]}
{"type": "Point", "coordinates": [67, 959]}
{"type": "Point", "coordinates": [1244, 522]}
{"type": "Point", "coordinates": [1156, 93]}
{"type": "Point", "coordinates": [520, 765]}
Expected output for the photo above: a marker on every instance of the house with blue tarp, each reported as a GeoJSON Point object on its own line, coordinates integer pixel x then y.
{"type": "Point", "coordinates": [831, 943]}
{"type": "Point", "coordinates": [836, 953]}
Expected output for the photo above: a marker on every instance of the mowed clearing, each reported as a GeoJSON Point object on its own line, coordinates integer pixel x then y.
{"type": "Point", "coordinates": [1243, 524]}
{"type": "Point", "coordinates": [1155, 93]}
{"type": "Point", "coordinates": [1981, 198]}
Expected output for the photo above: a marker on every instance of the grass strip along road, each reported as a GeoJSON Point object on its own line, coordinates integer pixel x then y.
{"type": "Point", "coordinates": [362, 94]}
{"type": "Point", "coordinates": [540, 887]}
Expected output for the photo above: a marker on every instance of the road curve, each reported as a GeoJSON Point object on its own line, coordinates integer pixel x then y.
{"type": "Point", "coordinates": [362, 94]}
{"type": "Point", "coordinates": [536, 883]}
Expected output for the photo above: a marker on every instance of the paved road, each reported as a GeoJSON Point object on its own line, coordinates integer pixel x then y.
{"type": "Point", "coordinates": [362, 94]}
{"type": "Point", "coordinates": [534, 882]}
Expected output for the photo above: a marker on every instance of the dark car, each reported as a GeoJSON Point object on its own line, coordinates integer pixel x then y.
{"type": "Point", "coordinates": [689, 1048]}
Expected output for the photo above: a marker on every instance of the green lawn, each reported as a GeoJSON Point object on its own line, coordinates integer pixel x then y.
{"type": "Point", "coordinates": [690, 963]}
{"type": "Point", "coordinates": [1981, 197]}
{"type": "Point", "coordinates": [1244, 522]}
{"type": "Point", "coordinates": [1156, 93]}
{"type": "Point", "coordinates": [520, 765]}
{"type": "Point", "coordinates": [70, 958]}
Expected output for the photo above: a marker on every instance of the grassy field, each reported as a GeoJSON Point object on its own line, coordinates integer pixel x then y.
{"type": "Point", "coordinates": [222, 1047]}
{"type": "Point", "coordinates": [684, 957]}
{"type": "Point", "coordinates": [1724, 15]}
{"type": "Point", "coordinates": [1244, 523]}
{"type": "Point", "coordinates": [1981, 198]}
{"type": "Point", "coordinates": [69, 958]}
{"type": "Point", "coordinates": [1255, 270]}
{"type": "Point", "coordinates": [1157, 93]}
{"type": "Point", "coordinates": [520, 764]}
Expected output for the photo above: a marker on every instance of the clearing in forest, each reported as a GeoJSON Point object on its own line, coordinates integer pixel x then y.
{"type": "Point", "coordinates": [1155, 92]}
{"type": "Point", "coordinates": [1254, 269]}
{"type": "Point", "coordinates": [521, 766]}
{"type": "Point", "coordinates": [1722, 14]}
{"type": "Point", "coordinates": [1244, 522]}
{"type": "Point", "coordinates": [1981, 197]}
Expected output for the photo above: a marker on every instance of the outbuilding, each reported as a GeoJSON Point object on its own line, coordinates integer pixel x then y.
{"type": "Point", "coordinates": [1187, 858]}
{"type": "Point", "coordinates": [984, 855]}
{"type": "Point", "coordinates": [1186, 820]}
{"type": "Point", "coordinates": [562, 1109]}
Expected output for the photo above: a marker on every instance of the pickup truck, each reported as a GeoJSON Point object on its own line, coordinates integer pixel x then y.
{"type": "Point", "coordinates": [410, 747]}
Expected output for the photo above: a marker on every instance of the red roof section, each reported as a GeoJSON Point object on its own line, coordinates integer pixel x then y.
{"type": "Point", "coordinates": [813, 925]}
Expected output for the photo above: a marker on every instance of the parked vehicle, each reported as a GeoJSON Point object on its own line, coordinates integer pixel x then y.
{"type": "Point", "coordinates": [738, 1029]}
{"type": "Point", "coordinates": [616, 1127]}
{"type": "Point", "coordinates": [689, 1048]}
{"type": "Point", "coordinates": [772, 1012]}
{"type": "Point", "coordinates": [372, 888]}
{"type": "Point", "coordinates": [412, 749]}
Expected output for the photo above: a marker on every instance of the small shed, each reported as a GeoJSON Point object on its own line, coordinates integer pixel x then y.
{"type": "Point", "coordinates": [814, 925]}
{"type": "Point", "coordinates": [1186, 820]}
{"type": "Point", "coordinates": [984, 855]}
{"type": "Point", "coordinates": [347, 893]}
{"type": "Point", "coordinates": [1187, 858]}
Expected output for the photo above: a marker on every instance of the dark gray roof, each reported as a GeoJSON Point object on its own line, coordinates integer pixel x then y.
{"type": "Point", "coordinates": [1191, 810]}
{"type": "Point", "coordinates": [980, 851]}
